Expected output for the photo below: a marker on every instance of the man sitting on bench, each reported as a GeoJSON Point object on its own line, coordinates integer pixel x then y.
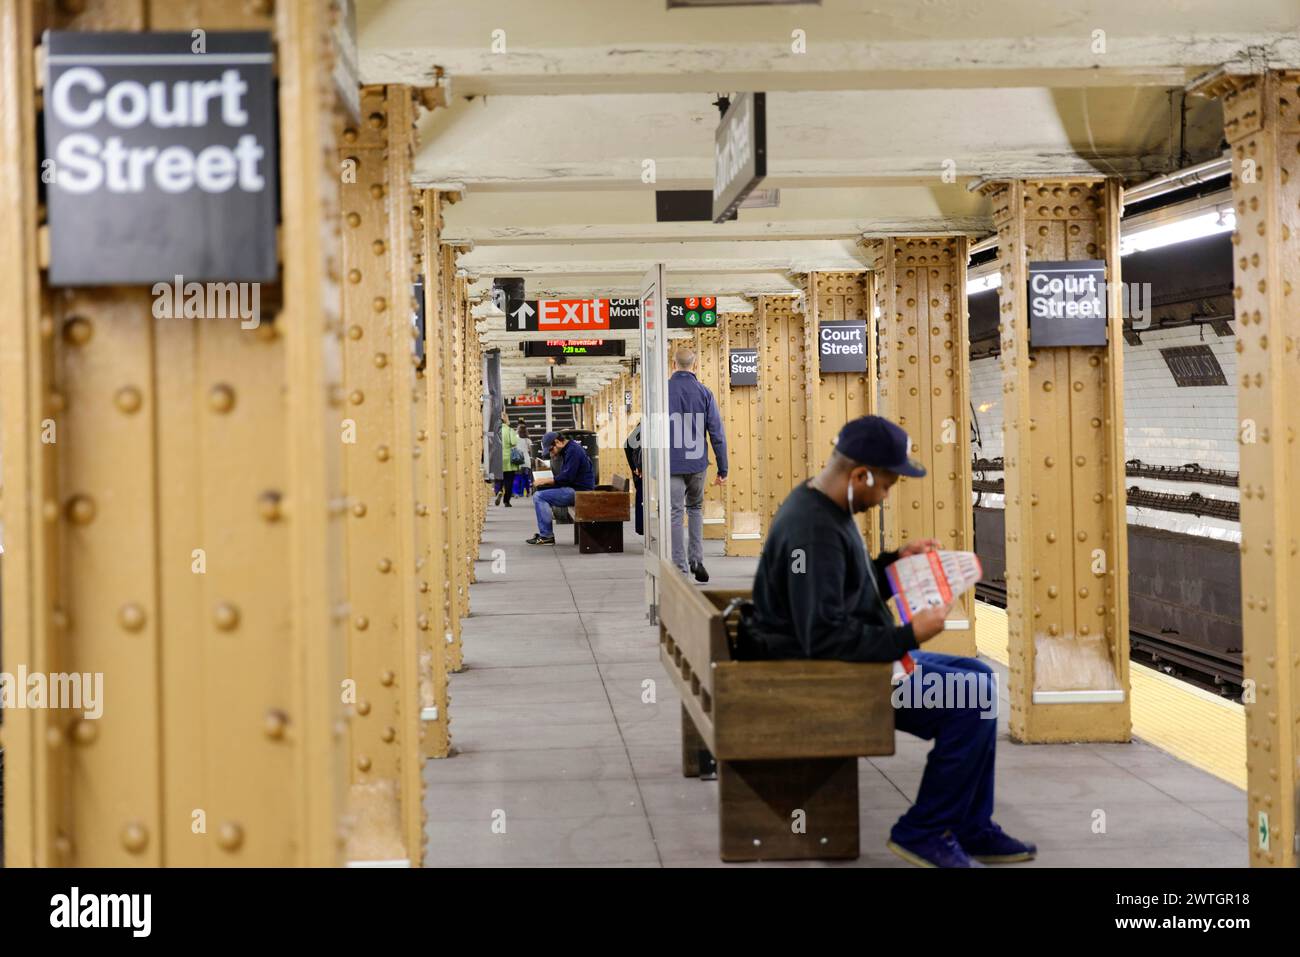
{"type": "Point", "coordinates": [817, 595]}
{"type": "Point", "coordinates": [571, 467]}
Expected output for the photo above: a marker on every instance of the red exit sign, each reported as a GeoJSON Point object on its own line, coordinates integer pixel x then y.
{"type": "Point", "coordinates": [573, 314]}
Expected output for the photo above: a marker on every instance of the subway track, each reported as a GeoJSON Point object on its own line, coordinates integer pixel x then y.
{"type": "Point", "coordinates": [1217, 673]}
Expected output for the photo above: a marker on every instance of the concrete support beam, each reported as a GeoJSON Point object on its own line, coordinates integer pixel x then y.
{"type": "Point", "coordinates": [1262, 123]}
{"type": "Point", "coordinates": [836, 397]}
{"type": "Point", "coordinates": [1066, 545]}
{"type": "Point", "coordinates": [925, 388]}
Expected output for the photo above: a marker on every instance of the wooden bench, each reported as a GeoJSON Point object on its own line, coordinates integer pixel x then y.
{"type": "Point", "coordinates": [598, 518]}
{"type": "Point", "coordinates": [786, 735]}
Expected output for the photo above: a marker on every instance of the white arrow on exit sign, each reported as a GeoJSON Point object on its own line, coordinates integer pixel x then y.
{"type": "Point", "coordinates": [525, 311]}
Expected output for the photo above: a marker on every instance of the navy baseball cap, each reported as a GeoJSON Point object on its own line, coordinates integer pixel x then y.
{"type": "Point", "coordinates": [876, 441]}
{"type": "Point", "coordinates": [548, 440]}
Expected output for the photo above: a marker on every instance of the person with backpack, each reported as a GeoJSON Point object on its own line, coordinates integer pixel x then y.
{"type": "Point", "coordinates": [512, 457]}
{"type": "Point", "coordinates": [526, 470]}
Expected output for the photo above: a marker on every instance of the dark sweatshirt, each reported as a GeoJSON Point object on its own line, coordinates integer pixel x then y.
{"type": "Point", "coordinates": [816, 594]}
{"type": "Point", "coordinates": [573, 469]}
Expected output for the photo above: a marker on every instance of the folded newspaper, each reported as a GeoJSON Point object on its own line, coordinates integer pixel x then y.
{"type": "Point", "coordinates": [927, 580]}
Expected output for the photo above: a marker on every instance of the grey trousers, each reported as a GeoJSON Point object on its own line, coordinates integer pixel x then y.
{"type": "Point", "coordinates": [688, 497]}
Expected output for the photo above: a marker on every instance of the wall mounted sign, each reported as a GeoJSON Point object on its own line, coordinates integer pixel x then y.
{"type": "Point", "coordinates": [744, 367]}
{"type": "Point", "coordinates": [577, 399]}
{"type": "Point", "coordinates": [529, 400]}
{"type": "Point", "coordinates": [842, 346]}
{"type": "Point", "coordinates": [417, 320]}
{"type": "Point", "coordinates": [739, 153]}
{"type": "Point", "coordinates": [1194, 365]}
{"type": "Point", "coordinates": [627, 402]}
{"type": "Point", "coordinates": [533, 349]}
{"type": "Point", "coordinates": [159, 161]}
{"type": "Point", "coordinates": [1067, 303]}
{"type": "Point", "coordinates": [583, 315]}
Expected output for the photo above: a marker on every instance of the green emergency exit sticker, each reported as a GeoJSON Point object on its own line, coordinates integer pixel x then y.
{"type": "Point", "coordinates": [1263, 830]}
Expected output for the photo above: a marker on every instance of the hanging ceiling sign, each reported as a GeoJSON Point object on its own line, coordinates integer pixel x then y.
{"type": "Point", "coordinates": [744, 367]}
{"type": "Point", "coordinates": [692, 312]}
{"type": "Point", "coordinates": [627, 401]}
{"type": "Point", "coordinates": [529, 400]}
{"type": "Point", "coordinates": [842, 346]}
{"type": "Point", "coordinates": [583, 315]}
{"type": "Point", "coordinates": [160, 162]}
{"type": "Point", "coordinates": [739, 153]}
{"type": "Point", "coordinates": [533, 349]}
{"type": "Point", "coordinates": [1067, 303]}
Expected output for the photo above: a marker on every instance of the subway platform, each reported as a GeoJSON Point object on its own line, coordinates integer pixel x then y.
{"type": "Point", "coordinates": [566, 743]}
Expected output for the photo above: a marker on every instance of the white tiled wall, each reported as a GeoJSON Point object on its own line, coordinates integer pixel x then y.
{"type": "Point", "coordinates": [1164, 424]}
{"type": "Point", "coordinates": [1168, 425]}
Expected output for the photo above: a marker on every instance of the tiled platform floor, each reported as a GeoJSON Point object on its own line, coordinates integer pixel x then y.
{"type": "Point", "coordinates": [549, 727]}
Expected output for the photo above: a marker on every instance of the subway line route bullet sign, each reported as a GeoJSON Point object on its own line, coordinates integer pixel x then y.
{"type": "Point", "coordinates": [160, 157]}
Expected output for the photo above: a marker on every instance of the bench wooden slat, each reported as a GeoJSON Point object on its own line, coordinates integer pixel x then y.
{"type": "Point", "coordinates": [602, 507]}
{"type": "Point", "coordinates": [801, 709]}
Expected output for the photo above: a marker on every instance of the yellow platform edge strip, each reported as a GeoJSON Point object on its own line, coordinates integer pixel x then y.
{"type": "Point", "coordinates": [1206, 731]}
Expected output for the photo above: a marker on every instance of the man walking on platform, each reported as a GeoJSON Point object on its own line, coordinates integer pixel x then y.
{"type": "Point", "coordinates": [632, 449]}
{"type": "Point", "coordinates": [818, 595]}
{"type": "Point", "coordinates": [572, 473]}
{"type": "Point", "coordinates": [692, 412]}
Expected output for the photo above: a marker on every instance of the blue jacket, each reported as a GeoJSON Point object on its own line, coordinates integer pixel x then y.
{"type": "Point", "coordinates": [692, 412]}
{"type": "Point", "coordinates": [574, 468]}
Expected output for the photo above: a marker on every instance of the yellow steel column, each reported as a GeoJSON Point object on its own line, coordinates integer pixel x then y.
{"type": "Point", "coordinates": [33, 739]}
{"type": "Point", "coordinates": [925, 388]}
{"type": "Point", "coordinates": [457, 445]}
{"type": "Point", "coordinates": [379, 441]}
{"type": "Point", "coordinates": [1066, 536]}
{"type": "Point", "coordinates": [740, 414]}
{"type": "Point", "coordinates": [193, 465]}
{"type": "Point", "coordinates": [836, 397]}
{"type": "Point", "coordinates": [312, 335]}
{"type": "Point", "coordinates": [711, 366]}
{"type": "Point", "coordinates": [782, 402]}
{"type": "Point", "coordinates": [433, 578]}
{"type": "Point", "coordinates": [1262, 124]}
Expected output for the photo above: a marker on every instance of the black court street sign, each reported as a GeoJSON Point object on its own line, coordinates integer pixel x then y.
{"type": "Point", "coordinates": [842, 346]}
{"type": "Point", "coordinates": [160, 162]}
{"type": "Point", "coordinates": [590, 315]}
{"type": "Point", "coordinates": [1067, 303]}
{"type": "Point", "coordinates": [573, 347]}
{"type": "Point", "coordinates": [417, 322]}
{"type": "Point", "coordinates": [739, 153]}
{"type": "Point", "coordinates": [744, 367]}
